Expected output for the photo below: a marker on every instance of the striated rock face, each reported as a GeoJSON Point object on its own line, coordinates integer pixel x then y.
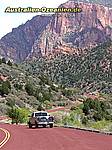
{"type": "Point", "coordinates": [60, 33]}
{"type": "Point", "coordinates": [68, 32]}
{"type": "Point", "coordinates": [17, 44]}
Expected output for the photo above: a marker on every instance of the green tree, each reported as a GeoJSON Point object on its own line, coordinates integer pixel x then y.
{"type": "Point", "coordinates": [4, 60]}
{"type": "Point", "coordinates": [68, 92]}
{"type": "Point", "coordinates": [18, 86]}
{"type": "Point", "coordinates": [47, 104]}
{"type": "Point", "coordinates": [18, 115]}
{"type": "Point", "coordinates": [10, 102]}
{"type": "Point", "coordinates": [85, 121]}
{"type": "Point", "coordinates": [98, 109]}
{"type": "Point", "coordinates": [86, 107]}
{"type": "Point", "coordinates": [40, 107]}
{"type": "Point", "coordinates": [46, 96]}
{"type": "Point", "coordinates": [5, 88]}
{"type": "Point", "coordinates": [8, 84]}
{"type": "Point", "coordinates": [23, 115]}
{"type": "Point", "coordinates": [9, 63]}
{"type": "Point", "coordinates": [29, 89]}
{"type": "Point", "coordinates": [98, 116]}
{"type": "Point", "coordinates": [12, 113]}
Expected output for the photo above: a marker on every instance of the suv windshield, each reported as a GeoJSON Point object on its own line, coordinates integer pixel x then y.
{"type": "Point", "coordinates": [40, 114]}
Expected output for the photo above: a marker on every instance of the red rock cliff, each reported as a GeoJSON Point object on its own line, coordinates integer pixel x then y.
{"type": "Point", "coordinates": [71, 32]}
{"type": "Point", "coordinates": [62, 32]}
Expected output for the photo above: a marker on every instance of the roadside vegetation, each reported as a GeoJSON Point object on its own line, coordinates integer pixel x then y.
{"type": "Point", "coordinates": [18, 115]}
{"type": "Point", "coordinates": [91, 114]}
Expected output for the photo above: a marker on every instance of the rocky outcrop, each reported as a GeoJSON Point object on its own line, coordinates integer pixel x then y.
{"type": "Point", "coordinates": [68, 32]}
{"type": "Point", "coordinates": [17, 44]}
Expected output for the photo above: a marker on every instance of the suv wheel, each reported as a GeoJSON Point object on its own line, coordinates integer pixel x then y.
{"type": "Point", "coordinates": [51, 125]}
{"type": "Point", "coordinates": [36, 125]}
{"type": "Point", "coordinates": [44, 126]}
{"type": "Point", "coordinates": [30, 125]}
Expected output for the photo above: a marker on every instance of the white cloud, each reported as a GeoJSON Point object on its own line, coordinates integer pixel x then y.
{"type": "Point", "coordinates": [11, 20]}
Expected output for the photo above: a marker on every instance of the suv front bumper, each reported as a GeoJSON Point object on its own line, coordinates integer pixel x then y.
{"type": "Point", "coordinates": [45, 123]}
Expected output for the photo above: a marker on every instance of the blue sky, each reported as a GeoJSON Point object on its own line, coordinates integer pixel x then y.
{"type": "Point", "coordinates": [12, 20]}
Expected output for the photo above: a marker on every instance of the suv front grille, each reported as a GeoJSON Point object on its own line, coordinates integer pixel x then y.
{"type": "Point", "coordinates": [43, 119]}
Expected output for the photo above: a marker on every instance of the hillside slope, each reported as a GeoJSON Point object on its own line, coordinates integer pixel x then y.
{"type": "Point", "coordinates": [24, 90]}
{"type": "Point", "coordinates": [90, 72]}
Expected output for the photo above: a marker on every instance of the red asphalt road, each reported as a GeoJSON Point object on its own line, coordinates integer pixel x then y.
{"type": "Point", "coordinates": [23, 138]}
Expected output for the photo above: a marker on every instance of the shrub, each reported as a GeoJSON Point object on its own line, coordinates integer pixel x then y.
{"type": "Point", "coordinates": [4, 60]}
{"type": "Point", "coordinates": [40, 107]}
{"type": "Point", "coordinates": [67, 92]}
{"type": "Point", "coordinates": [61, 104]}
{"type": "Point", "coordinates": [10, 102]}
{"type": "Point", "coordinates": [73, 108]}
{"type": "Point", "coordinates": [18, 86]}
{"type": "Point", "coordinates": [100, 124]}
{"type": "Point", "coordinates": [85, 121]}
{"type": "Point", "coordinates": [3, 109]}
{"type": "Point", "coordinates": [9, 63]}
{"type": "Point", "coordinates": [98, 116]}
{"type": "Point", "coordinates": [5, 88]}
{"type": "Point", "coordinates": [29, 89]}
{"type": "Point", "coordinates": [23, 115]}
{"type": "Point", "coordinates": [46, 96]}
{"type": "Point", "coordinates": [98, 109]}
{"type": "Point", "coordinates": [47, 104]}
{"type": "Point", "coordinates": [18, 115]}
{"type": "Point", "coordinates": [86, 107]}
